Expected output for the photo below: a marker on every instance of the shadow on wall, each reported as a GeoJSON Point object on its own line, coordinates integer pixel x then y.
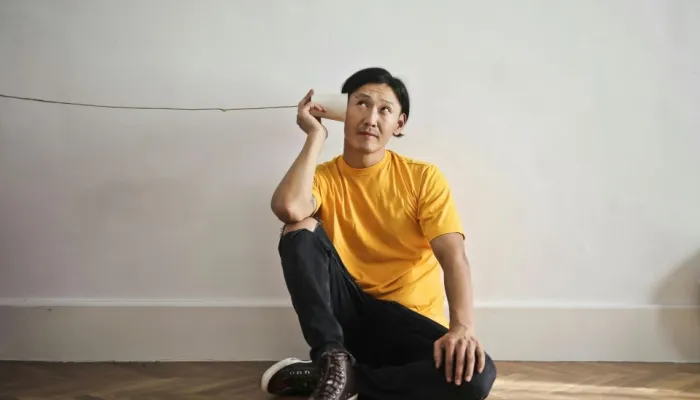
{"type": "Point", "coordinates": [679, 296]}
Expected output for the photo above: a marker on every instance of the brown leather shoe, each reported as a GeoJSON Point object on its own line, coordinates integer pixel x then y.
{"type": "Point", "coordinates": [337, 381]}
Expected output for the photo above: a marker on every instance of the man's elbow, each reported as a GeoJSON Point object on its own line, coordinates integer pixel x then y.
{"type": "Point", "coordinates": [288, 213]}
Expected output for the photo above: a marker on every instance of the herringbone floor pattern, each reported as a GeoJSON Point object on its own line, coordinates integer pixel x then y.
{"type": "Point", "coordinates": [240, 381]}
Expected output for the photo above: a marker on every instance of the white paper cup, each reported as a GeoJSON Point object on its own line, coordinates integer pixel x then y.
{"type": "Point", "coordinates": [334, 103]}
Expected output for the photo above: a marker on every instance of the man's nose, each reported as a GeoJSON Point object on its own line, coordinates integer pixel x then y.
{"type": "Point", "coordinates": [372, 117]}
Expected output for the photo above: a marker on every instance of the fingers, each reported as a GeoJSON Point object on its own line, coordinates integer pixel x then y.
{"type": "Point", "coordinates": [461, 349]}
{"type": "Point", "coordinates": [437, 353]}
{"type": "Point", "coordinates": [317, 107]}
{"type": "Point", "coordinates": [461, 357]}
{"type": "Point", "coordinates": [305, 105]}
{"type": "Point", "coordinates": [481, 356]}
{"type": "Point", "coordinates": [449, 359]}
{"type": "Point", "coordinates": [471, 349]}
{"type": "Point", "coordinates": [306, 99]}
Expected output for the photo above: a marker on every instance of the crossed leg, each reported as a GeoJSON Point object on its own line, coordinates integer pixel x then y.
{"type": "Point", "coordinates": [392, 345]}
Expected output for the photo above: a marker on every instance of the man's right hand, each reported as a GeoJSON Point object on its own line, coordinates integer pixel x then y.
{"type": "Point", "coordinates": [308, 123]}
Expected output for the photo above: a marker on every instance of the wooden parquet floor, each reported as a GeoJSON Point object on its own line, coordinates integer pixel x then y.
{"type": "Point", "coordinates": [240, 381]}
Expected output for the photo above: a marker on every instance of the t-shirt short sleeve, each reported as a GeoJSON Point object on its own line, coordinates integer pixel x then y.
{"type": "Point", "coordinates": [437, 212]}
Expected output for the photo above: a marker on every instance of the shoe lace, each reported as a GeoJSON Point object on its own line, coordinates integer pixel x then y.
{"type": "Point", "coordinates": [333, 378]}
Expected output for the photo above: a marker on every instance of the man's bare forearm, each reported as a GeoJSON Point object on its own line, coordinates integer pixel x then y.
{"type": "Point", "coordinates": [458, 287]}
{"type": "Point", "coordinates": [450, 252]}
{"type": "Point", "coordinates": [292, 200]}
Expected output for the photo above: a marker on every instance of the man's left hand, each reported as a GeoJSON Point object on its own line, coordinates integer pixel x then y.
{"type": "Point", "coordinates": [460, 351]}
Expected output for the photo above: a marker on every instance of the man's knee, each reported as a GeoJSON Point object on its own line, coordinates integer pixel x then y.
{"type": "Point", "coordinates": [481, 383]}
{"type": "Point", "coordinates": [309, 224]}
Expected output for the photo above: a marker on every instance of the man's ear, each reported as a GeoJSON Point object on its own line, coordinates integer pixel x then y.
{"type": "Point", "coordinates": [399, 128]}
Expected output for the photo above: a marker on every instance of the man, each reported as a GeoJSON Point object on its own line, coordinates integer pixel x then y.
{"type": "Point", "coordinates": [367, 237]}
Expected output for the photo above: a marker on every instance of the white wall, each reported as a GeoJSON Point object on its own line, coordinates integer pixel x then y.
{"type": "Point", "coordinates": [570, 132]}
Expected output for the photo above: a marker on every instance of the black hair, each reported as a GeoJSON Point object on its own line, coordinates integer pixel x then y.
{"type": "Point", "coordinates": [379, 75]}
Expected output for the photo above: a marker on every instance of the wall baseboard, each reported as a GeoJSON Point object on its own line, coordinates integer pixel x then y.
{"type": "Point", "coordinates": [86, 330]}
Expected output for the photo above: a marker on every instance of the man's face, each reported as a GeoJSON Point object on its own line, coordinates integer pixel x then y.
{"type": "Point", "coordinates": [373, 116]}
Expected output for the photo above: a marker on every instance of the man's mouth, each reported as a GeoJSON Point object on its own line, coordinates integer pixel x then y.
{"type": "Point", "coordinates": [366, 133]}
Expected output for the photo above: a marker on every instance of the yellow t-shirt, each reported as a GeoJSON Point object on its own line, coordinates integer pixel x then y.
{"type": "Point", "coordinates": [381, 220]}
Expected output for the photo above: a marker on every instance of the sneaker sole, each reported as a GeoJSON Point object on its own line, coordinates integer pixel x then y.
{"type": "Point", "coordinates": [267, 376]}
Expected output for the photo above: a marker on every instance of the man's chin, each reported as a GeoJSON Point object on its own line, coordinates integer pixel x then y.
{"type": "Point", "coordinates": [364, 146]}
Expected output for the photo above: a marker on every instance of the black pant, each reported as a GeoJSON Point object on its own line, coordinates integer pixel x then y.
{"type": "Point", "coordinates": [392, 345]}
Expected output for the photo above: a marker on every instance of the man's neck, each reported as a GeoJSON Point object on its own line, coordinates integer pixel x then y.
{"type": "Point", "coordinates": [362, 160]}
